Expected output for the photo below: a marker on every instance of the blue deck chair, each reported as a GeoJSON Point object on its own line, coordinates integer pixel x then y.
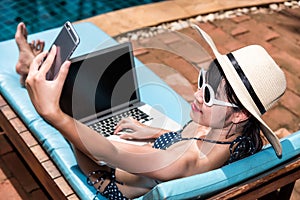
{"type": "Point", "coordinates": [197, 186]}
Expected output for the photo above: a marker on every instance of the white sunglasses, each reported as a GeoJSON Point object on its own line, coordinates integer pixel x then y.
{"type": "Point", "coordinates": [208, 92]}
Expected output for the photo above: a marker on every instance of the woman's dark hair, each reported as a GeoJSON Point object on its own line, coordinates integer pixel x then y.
{"type": "Point", "coordinates": [250, 141]}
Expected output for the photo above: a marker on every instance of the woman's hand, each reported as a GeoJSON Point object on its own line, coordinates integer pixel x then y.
{"type": "Point", "coordinates": [45, 94]}
{"type": "Point", "coordinates": [138, 130]}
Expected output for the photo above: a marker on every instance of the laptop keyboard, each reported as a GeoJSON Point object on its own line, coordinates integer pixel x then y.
{"type": "Point", "coordinates": [107, 126]}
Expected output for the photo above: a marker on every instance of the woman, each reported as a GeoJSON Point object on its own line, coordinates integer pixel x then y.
{"type": "Point", "coordinates": [230, 99]}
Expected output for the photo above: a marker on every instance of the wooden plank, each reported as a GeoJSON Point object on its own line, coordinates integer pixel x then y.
{"type": "Point", "coordinates": [32, 154]}
{"type": "Point", "coordinates": [58, 187]}
{"type": "Point", "coordinates": [28, 139]}
{"type": "Point", "coordinates": [72, 197]}
{"type": "Point", "coordinates": [64, 186]}
{"type": "Point", "coordinates": [265, 183]}
{"type": "Point", "coordinates": [39, 153]}
{"type": "Point", "coordinates": [2, 102]}
{"type": "Point", "coordinates": [7, 111]}
{"type": "Point", "coordinates": [17, 125]}
{"type": "Point", "coordinates": [270, 186]}
{"type": "Point", "coordinates": [30, 159]}
{"type": "Point", "coordinates": [51, 169]}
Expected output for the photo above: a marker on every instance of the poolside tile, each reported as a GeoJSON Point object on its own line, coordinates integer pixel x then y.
{"type": "Point", "coordinates": [168, 38]}
{"type": "Point", "coordinates": [291, 101]}
{"type": "Point", "coordinates": [8, 191]}
{"type": "Point", "coordinates": [4, 146]}
{"type": "Point", "coordinates": [241, 18]}
{"type": "Point", "coordinates": [293, 82]}
{"type": "Point", "coordinates": [182, 66]}
{"type": "Point", "coordinates": [238, 31]}
{"type": "Point", "coordinates": [288, 62]}
{"type": "Point", "coordinates": [279, 117]}
{"type": "Point", "coordinates": [23, 176]}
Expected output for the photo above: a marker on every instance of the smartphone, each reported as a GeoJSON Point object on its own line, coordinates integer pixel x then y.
{"type": "Point", "coordinates": [66, 43]}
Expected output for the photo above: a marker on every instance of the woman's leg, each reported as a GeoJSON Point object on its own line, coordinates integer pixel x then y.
{"type": "Point", "coordinates": [86, 164]}
{"type": "Point", "coordinates": [27, 52]}
{"type": "Point", "coordinates": [133, 185]}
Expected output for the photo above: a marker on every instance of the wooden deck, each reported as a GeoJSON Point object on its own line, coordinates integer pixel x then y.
{"type": "Point", "coordinates": [278, 182]}
{"type": "Point", "coordinates": [33, 154]}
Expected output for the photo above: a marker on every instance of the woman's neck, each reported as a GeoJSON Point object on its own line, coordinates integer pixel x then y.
{"type": "Point", "coordinates": [233, 130]}
{"type": "Point", "coordinates": [192, 129]}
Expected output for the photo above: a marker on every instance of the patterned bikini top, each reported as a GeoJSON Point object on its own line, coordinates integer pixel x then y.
{"type": "Point", "coordinates": [167, 139]}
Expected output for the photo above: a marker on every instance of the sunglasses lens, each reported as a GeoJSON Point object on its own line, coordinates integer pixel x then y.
{"type": "Point", "coordinates": [200, 81]}
{"type": "Point", "coordinates": [207, 95]}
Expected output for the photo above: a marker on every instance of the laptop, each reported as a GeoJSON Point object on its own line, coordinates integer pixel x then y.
{"type": "Point", "coordinates": [101, 88]}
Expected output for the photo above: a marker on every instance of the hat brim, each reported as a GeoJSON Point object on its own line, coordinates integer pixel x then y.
{"type": "Point", "coordinates": [241, 91]}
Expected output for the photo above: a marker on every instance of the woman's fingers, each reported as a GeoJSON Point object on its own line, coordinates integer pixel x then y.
{"type": "Point", "coordinates": [124, 123]}
{"type": "Point", "coordinates": [120, 127]}
{"type": "Point", "coordinates": [36, 63]}
{"type": "Point", "coordinates": [125, 126]}
{"type": "Point", "coordinates": [49, 61]}
{"type": "Point", "coordinates": [127, 136]}
{"type": "Point", "coordinates": [63, 72]}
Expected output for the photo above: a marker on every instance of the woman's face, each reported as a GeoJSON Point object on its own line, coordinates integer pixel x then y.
{"type": "Point", "coordinates": [214, 116]}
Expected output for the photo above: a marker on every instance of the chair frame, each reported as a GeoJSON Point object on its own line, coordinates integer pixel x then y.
{"type": "Point", "coordinates": [277, 182]}
{"type": "Point", "coordinates": [34, 155]}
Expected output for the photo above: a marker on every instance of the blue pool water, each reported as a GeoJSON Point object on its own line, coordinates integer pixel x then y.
{"type": "Point", "coordinates": [40, 15]}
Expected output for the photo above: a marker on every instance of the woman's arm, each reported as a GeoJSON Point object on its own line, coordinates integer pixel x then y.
{"type": "Point", "coordinates": [143, 160]}
{"type": "Point", "coordinates": [45, 97]}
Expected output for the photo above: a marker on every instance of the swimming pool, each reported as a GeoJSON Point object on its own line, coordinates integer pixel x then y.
{"type": "Point", "coordinates": [40, 15]}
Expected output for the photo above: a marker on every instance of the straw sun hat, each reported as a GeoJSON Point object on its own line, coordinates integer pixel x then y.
{"type": "Point", "coordinates": [256, 79]}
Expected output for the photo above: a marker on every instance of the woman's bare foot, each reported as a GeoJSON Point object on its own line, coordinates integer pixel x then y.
{"type": "Point", "coordinates": [26, 54]}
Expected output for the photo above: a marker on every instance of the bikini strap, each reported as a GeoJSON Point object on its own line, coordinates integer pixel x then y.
{"type": "Point", "coordinates": [102, 176]}
{"type": "Point", "coordinates": [180, 131]}
{"type": "Point", "coordinates": [207, 140]}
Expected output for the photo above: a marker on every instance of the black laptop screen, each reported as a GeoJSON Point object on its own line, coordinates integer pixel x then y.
{"type": "Point", "coordinates": [99, 81]}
